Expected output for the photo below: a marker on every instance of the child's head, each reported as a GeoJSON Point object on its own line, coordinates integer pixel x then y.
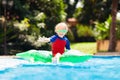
{"type": "Point", "coordinates": [61, 29]}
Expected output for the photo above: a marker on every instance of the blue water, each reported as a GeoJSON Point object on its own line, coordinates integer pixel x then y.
{"type": "Point", "coordinates": [97, 68]}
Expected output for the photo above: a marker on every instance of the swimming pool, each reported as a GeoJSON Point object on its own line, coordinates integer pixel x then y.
{"type": "Point", "coordinates": [97, 68]}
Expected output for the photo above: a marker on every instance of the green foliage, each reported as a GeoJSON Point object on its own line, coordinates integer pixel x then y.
{"type": "Point", "coordinates": [95, 10]}
{"type": "Point", "coordinates": [30, 19]}
{"type": "Point", "coordinates": [70, 35]}
{"type": "Point", "coordinates": [101, 30]}
{"type": "Point", "coordinates": [31, 31]}
{"type": "Point", "coordinates": [77, 12]}
{"type": "Point", "coordinates": [84, 31]}
{"type": "Point", "coordinates": [54, 11]}
{"type": "Point", "coordinates": [70, 7]}
{"type": "Point", "coordinates": [118, 29]}
{"type": "Point", "coordinates": [80, 31]}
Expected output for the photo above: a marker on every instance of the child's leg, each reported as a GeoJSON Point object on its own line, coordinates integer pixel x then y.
{"type": "Point", "coordinates": [56, 58]}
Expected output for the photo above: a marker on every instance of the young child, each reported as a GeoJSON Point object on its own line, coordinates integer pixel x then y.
{"type": "Point", "coordinates": [59, 41]}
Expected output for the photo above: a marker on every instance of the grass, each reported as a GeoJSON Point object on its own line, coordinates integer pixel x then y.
{"type": "Point", "coordinates": [86, 47]}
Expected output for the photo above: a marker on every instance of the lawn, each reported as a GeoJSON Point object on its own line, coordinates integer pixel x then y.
{"type": "Point", "coordinates": [86, 47]}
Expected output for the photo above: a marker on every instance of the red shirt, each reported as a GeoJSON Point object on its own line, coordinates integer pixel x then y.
{"type": "Point", "coordinates": [59, 44]}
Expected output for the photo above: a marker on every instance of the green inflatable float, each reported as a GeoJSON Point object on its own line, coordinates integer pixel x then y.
{"type": "Point", "coordinates": [73, 56]}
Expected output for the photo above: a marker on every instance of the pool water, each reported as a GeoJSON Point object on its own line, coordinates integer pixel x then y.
{"type": "Point", "coordinates": [97, 68]}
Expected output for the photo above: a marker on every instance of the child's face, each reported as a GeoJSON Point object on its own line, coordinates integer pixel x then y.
{"type": "Point", "coordinates": [61, 31]}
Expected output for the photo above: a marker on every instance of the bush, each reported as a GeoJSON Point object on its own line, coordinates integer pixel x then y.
{"type": "Point", "coordinates": [101, 30]}
{"type": "Point", "coordinates": [81, 33]}
{"type": "Point", "coordinates": [84, 31]}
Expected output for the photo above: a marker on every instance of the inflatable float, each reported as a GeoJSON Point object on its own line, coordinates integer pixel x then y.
{"type": "Point", "coordinates": [73, 56]}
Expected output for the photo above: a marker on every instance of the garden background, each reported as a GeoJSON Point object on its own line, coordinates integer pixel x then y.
{"type": "Point", "coordinates": [22, 22]}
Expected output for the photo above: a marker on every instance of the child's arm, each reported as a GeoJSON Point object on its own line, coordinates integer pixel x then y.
{"type": "Point", "coordinates": [50, 39]}
{"type": "Point", "coordinates": [44, 39]}
{"type": "Point", "coordinates": [67, 45]}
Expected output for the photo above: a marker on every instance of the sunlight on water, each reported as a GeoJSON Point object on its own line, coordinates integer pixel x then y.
{"type": "Point", "coordinates": [97, 68]}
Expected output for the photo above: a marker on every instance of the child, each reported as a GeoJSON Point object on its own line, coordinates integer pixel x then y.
{"type": "Point", "coordinates": [59, 40]}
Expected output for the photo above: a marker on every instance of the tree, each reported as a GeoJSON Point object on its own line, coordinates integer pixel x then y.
{"type": "Point", "coordinates": [94, 10]}
{"type": "Point", "coordinates": [112, 42]}
{"type": "Point", "coordinates": [71, 7]}
{"type": "Point", "coordinates": [28, 15]}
